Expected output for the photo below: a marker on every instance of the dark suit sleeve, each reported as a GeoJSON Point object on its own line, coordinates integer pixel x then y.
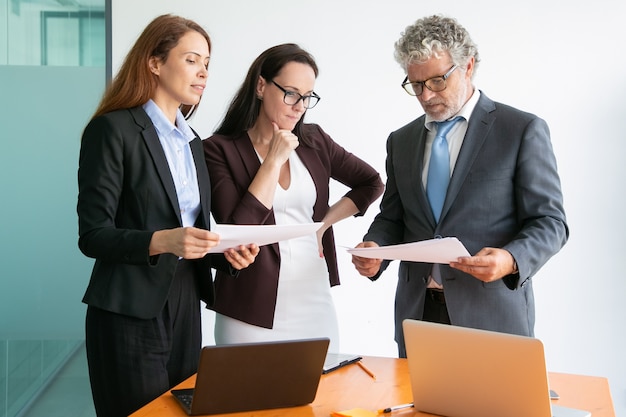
{"type": "Point", "coordinates": [539, 202]}
{"type": "Point", "coordinates": [101, 181]}
{"type": "Point", "coordinates": [388, 226]}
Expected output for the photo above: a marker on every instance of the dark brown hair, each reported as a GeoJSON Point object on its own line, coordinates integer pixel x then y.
{"type": "Point", "coordinates": [245, 107]}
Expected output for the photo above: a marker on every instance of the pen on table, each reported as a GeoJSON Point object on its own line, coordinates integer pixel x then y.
{"type": "Point", "coordinates": [366, 369]}
{"type": "Point", "coordinates": [394, 408]}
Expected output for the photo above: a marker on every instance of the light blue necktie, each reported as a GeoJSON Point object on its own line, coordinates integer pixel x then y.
{"type": "Point", "coordinates": [439, 168]}
{"type": "Point", "coordinates": [439, 177]}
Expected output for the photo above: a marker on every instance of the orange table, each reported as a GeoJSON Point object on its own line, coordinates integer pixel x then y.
{"type": "Point", "coordinates": [350, 387]}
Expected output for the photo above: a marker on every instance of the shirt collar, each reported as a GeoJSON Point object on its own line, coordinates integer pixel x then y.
{"type": "Point", "coordinates": [162, 124]}
{"type": "Point", "coordinates": [465, 112]}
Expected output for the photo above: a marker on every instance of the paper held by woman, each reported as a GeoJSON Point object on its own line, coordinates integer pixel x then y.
{"type": "Point", "coordinates": [233, 235]}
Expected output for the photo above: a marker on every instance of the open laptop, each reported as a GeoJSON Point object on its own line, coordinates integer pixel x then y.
{"type": "Point", "coordinates": [255, 376]}
{"type": "Point", "coordinates": [461, 372]}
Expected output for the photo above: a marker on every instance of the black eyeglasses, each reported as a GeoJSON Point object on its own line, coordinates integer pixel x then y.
{"type": "Point", "coordinates": [291, 98]}
{"type": "Point", "coordinates": [435, 84]}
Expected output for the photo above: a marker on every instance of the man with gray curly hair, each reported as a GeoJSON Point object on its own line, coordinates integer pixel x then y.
{"type": "Point", "coordinates": [470, 168]}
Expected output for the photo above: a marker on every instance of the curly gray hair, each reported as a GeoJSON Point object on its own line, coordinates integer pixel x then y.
{"type": "Point", "coordinates": [430, 36]}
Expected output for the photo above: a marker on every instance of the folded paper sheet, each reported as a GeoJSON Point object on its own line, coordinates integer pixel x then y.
{"type": "Point", "coordinates": [232, 235]}
{"type": "Point", "coordinates": [440, 251]}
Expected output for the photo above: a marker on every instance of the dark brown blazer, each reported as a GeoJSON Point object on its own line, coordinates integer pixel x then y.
{"type": "Point", "coordinates": [233, 164]}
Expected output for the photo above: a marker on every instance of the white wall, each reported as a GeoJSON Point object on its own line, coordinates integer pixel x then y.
{"type": "Point", "coordinates": [558, 60]}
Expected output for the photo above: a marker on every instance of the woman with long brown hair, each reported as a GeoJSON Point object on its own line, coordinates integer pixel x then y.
{"type": "Point", "coordinates": [143, 208]}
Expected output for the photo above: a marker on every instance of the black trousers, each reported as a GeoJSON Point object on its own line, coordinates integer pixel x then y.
{"type": "Point", "coordinates": [435, 309]}
{"type": "Point", "coordinates": [132, 361]}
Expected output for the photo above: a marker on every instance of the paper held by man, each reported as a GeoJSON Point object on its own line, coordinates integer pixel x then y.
{"type": "Point", "coordinates": [439, 251]}
{"type": "Point", "coordinates": [233, 235]}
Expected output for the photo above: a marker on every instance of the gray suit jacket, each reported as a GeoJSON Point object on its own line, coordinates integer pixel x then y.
{"type": "Point", "coordinates": [504, 192]}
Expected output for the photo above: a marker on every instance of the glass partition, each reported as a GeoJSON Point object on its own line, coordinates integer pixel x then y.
{"type": "Point", "coordinates": [52, 75]}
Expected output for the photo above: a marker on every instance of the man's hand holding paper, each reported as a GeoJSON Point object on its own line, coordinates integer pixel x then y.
{"type": "Point", "coordinates": [440, 251]}
{"type": "Point", "coordinates": [368, 267]}
{"type": "Point", "coordinates": [367, 256]}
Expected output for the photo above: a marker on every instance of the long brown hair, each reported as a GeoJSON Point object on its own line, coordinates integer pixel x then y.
{"type": "Point", "coordinates": [245, 107]}
{"type": "Point", "coordinates": [135, 84]}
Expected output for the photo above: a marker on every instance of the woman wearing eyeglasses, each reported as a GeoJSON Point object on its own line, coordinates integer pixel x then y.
{"type": "Point", "coordinates": [269, 167]}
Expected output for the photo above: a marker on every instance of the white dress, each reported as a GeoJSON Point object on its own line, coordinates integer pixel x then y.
{"type": "Point", "coordinates": [304, 304]}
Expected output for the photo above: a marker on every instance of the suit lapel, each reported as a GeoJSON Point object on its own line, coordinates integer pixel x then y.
{"type": "Point", "coordinates": [158, 156]}
{"type": "Point", "coordinates": [249, 157]}
{"type": "Point", "coordinates": [480, 124]}
{"type": "Point", "coordinates": [419, 141]}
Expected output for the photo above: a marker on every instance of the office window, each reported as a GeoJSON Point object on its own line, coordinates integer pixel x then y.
{"type": "Point", "coordinates": [52, 32]}
{"type": "Point", "coordinates": [72, 38]}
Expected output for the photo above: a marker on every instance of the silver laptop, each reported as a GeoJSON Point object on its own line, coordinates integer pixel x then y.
{"type": "Point", "coordinates": [255, 376]}
{"type": "Point", "coordinates": [461, 372]}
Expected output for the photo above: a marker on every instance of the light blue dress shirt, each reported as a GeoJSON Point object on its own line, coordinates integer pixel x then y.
{"type": "Point", "coordinates": [175, 142]}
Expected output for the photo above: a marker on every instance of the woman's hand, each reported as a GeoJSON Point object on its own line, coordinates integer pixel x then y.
{"type": "Point", "coordinates": [282, 144]}
{"type": "Point", "coordinates": [242, 256]}
{"type": "Point", "coordinates": [184, 242]}
{"type": "Point", "coordinates": [320, 233]}
{"type": "Point", "coordinates": [342, 209]}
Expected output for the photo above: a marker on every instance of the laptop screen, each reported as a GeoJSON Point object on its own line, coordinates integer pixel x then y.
{"type": "Point", "coordinates": [257, 376]}
{"type": "Point", "coordinates": [463, 372]}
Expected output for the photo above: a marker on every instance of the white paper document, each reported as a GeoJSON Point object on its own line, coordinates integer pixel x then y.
{"type": "Point", "coordinates": [233, 235]}
{"type": "Point", "coordinates": [438, 251]}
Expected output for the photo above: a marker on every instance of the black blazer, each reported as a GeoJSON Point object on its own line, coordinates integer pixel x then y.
{"type": "Point", "coordinates": [125, 193]}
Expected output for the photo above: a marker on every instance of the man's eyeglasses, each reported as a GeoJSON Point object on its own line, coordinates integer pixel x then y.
{"type": "Point", "coordinates": [291, 98]}
{"type": "Point", "coordinates": [434, 84]}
